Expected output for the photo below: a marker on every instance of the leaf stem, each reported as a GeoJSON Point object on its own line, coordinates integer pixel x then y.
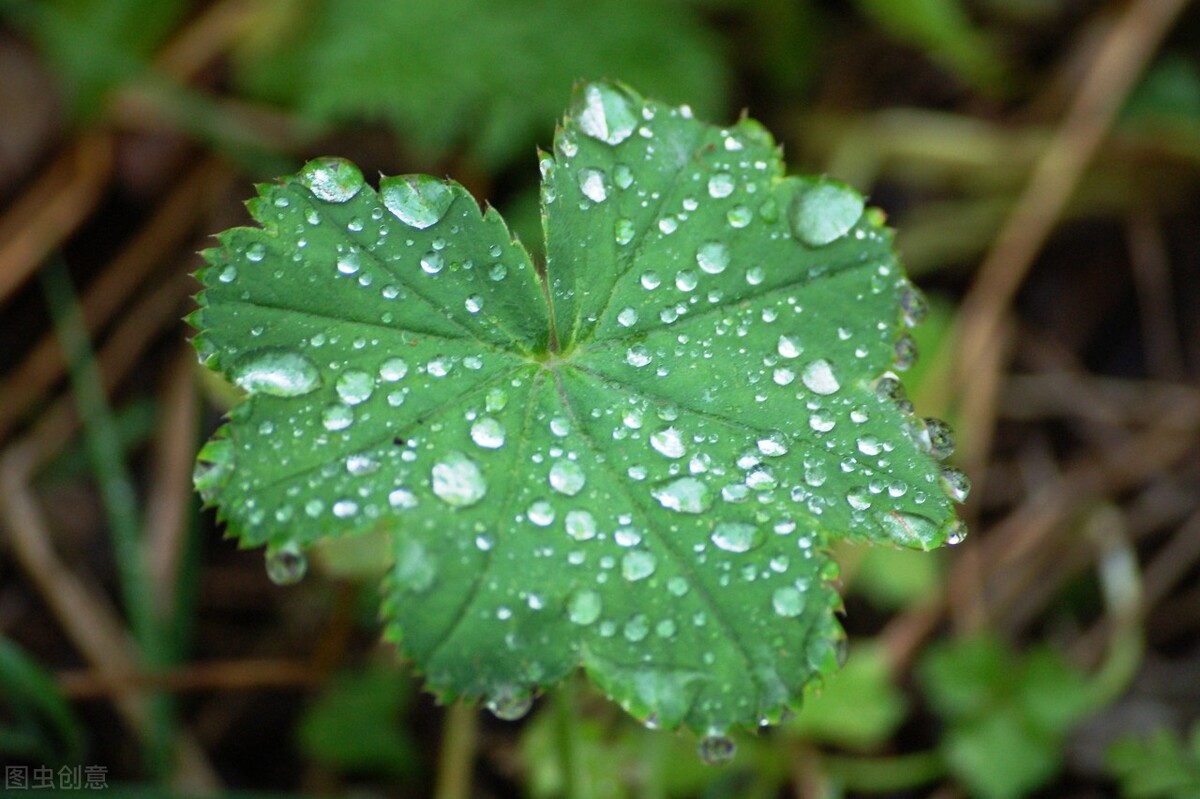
{"type": "Point", "coordinates": [566, 708]}
{"type": "Point", "coordinates": [457, 759]}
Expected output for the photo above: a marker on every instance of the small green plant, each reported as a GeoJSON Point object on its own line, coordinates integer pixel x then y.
{"type": "Point", "coordinates": [633, 460]}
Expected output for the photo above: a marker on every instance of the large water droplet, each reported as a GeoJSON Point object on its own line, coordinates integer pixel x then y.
{"type": "Point", "coordinates": [737, 536]}
{"type": "Point", "coordinates": [584, 607]}
{"type": "Point", "coordinates": [720, 185]}
{"type": "Point", "coordinates": [509, 703]}
{"type": "Point", "coordinates": [955, 483]}
{"type": "Point", "coordinates": [567, 477]}
{"type": "Point", "coordinates": [940, 438]}
{"type": "Point", "coordinates": [278, 372]}
{"type": "Point", "coordinates": [487, 433]}
{"type": "Point", "coordinates": [286, 565]}
{"type": "Point", "coordinates": [419, 201]}
{"type": "Point", "coordinates": [824, 211]}
{"type": "Point", "coordinates": [355, 386]}
{"type": "Point", "coordinates": [909, 529]}
{"type": "Point", "coordinates": [685, 495]}
{"type": "Point", "coordinates": [913, 306]}
{"type": "Point", "coordinates": [717, 750]}
{"type": "Point", "coordinates": [458, 481]}
{"type": "Point", "coordinates": [334, 180]}
{"type": "Point", "coordinates": [713, 257]}
{"type": "Point", "coordinates": [393, 369]}
{"type": "Point", "coordinates": [819, 378]}
{"type": "Point", "coordinates": [337, 416]}
{"type": "Point", "coordinates": [627, 317]}
{"type": "Point", "coordinates": [606, 113]}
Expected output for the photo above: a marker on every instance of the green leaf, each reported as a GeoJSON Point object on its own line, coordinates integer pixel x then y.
{"type": "Point", "coordinates": [1160, 766]}
{"type": "Point", "coordinates": [477, 74]}
{"type": "Point", "coordinates": [39, 722]}
{"type": "Point", "coordinates": [1007, 715]}
{"type": "Point", "coordinates": [354, 726]}
{"type": "Point", "coordinates": [858, 707]}
{"type": "Point", "coordinates": [636, 466]}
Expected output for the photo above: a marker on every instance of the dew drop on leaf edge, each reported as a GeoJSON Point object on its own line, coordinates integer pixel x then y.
{"type": "Point", "coordinates": [334, 180]}
{"type": "Point", "coordinates": [419, 201]}
{"type": "Point", "coordinates": [286, 565]}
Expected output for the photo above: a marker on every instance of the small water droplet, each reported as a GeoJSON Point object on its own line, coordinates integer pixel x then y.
{"type": "Point", "coordinates": [402, 498]}
{"type": "Point", "coordinates": [594, 184]}
{"type": "Point", "coordinates": [818, 376]}
{"type": "Point", "coordinates": [567, 477]}
{"type": "Point", "coordinates": [432, 263]}
{"type": "Point", "coordinates": [716, 749]}
{"type": "Point", "coordinates": [955, 483]}
{"type": "Point", "coordinates": [627, 317]}
{"type": "Point", "coordinates": [334, 180]}
{"type": "Point", "coordinates": [584, 607]}
{"type": "Point", "coordinates": [668, 442]}
{"type": "Point", "coordinates": [496, 399]}
{"type": "Point", "coordinates": [277, 372]}
{"type": "Point", "coordinates": [788, 601]}
{"type": "Point", "coordinates": [337, 416]}
{"type": "Point", "coordinates": [355, 386]}
{"type": "Point", "coordinates": [713, 257]}
{"type": "Point", "coordinates": [739, 216]}
{"type": "Point", "coordinates": [581, 525]}
{"type": "Point", "coordinates": [720, 185]}
{"type": "Point", "coordinates": [940, 437]}
{"type": "Point", "coordinates": [905, 352]}
{"type": "Point", "coordinates": [684, 495]}
{"type": "Point", "coordinates": [541, 513]}
{"type": "Point", "coordinates": [651, 280]}
{"type": "Point", "coordinates": [624, 231]}
{"type": "Point", "coordinates": [286, 564]}
{"type": "Point", "coordinates": [824, 211]}
{"type": "Point", "coordinates": [957, 532]}
{"type": "Point", "coordinates": [605, 113]}
{"type": "Point", "coordinates": [737, 536]}
{"type": "Point", "coordinates": [473, 303]}
{"type": "Point", "coordinates": [638, 565]}
{"type": "Point", "coordinates": [393, 369]}
{"type": "Point", "coordinates": [458, 481]}
{"type": "Point", "coordinates": [509, 703]}
{"type": "Point", "coordinates": [419, 201]}
{"type": "Point", "coordinates": [488, 433]}
{"type": "Point", "coordinates": [686, 280]}
{"type": "Point", "coordinates": [637, 356]}
{"type": "Point", "coordinates": [913, 306]}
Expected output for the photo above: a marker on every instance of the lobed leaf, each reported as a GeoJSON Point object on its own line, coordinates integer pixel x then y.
{"type": "Point", "coordinates": [635, 464]}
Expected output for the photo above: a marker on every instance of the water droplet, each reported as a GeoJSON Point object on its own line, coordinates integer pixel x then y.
{"type": "Point", "coordinates": [419, 201]}
{"type": "Point", "coordinates": [286, 565]}
{"type": "Point", "coordinates": [624, 231]}
{"type": "Point", "coordinates": [686, 280]}
{"type": "Point", "coordinates": [824, 211]}
{"type": "Point", "coordinates": [737, 536]}
{"type": "Point", "coordinates": [668, 442]}
{"type": "Point", "coordinates": [402, 498]}
{"type": "Point", "coordinates": [277, 372]}
{"type": "Point", "coordinates": [957, 532]}
{"type": "Point", "coordinates": [337, 416]}
{"type": "Point", "coordinates": [637, 628]}
{"type": "Point", "coordinates": [819, 378]}
{"type": "Point", "coordinates": [789, 347]}
{"type": "Point", "coordinates": [509, 703]}
{"type": "Point", "coordinates": [913, 306]}
{"type": "Point", "coordinates": [605, 112]}
{"type": "Point", "coordinates": [720, 185]}
{"type": "Point", "coordinates": [638, 565]}
{"type": "Point", "coordinates": [909, 529]}
{"type": "Point", "coordinates": [458, 481]}
{"type": "Point", "coordinates": [627, 317]}
{"type": "Point", "coordinates": [498, 272]}
{"type": "Point", "coordinates": [755, 275]}
{"type": "Point", "coordinates": [581, 525]}
{"type": "Point", "coordinates": [432, 263]}
{"type": "Point", "coordinates": [905, 352]}
{"type": "Point", "coordinates": [637, 356]}
{"type": "Point", "coordinates": [717, 750]}
{"type": "Point", "coordinates": [474, 303]}
{"type": "Point", "coordinates": [685, 495]}
{"type": "Point", "coordinates": [256, 252]}
{"type": "Point", "coordinates": [651, 280]}
{"type": "Point", "coordinates": [940, 437]}
{"type": "Point", "coordinates": [354, 386]}
{"type": "Point", "coordinates": [955, 483]}
{"type": "Point", "coordinates": [334, 180]}
{"type": "Point", "coordinates": [393, 369]}
{"type": "Point", "coordinates": [496, 399]}
{"type": "Point", "coordinates": [594, 184]}
{"type": "Point", "coordinates": [622, 176]}
{"type": "Point", "coordinates": [541, 513]}
{"type": "Point", "coordinates": [487, 433]}
{"type": "Point", "coordinates": [584, 606]}
{"type": "Point", "coordinates": [788, 601]}
{"type": "Point", "coordinates": [345, 508]}
{"type": "Point", "coordinates": [739, 216]}
{"type": "Point", "coordinates": [361, 463]}
{"type": "Point", "coordinates": [713, 257]}
{"type": "Point", "coordinates": [783, 376]}
{"type": "Point", "coordinates": [567, 477]}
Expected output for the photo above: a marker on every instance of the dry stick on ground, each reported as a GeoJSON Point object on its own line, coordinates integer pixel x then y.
{"type": "Point", "coordinates": [1117, 65]}
{"type": "Point", "coordinates": [231, 675]}
{"type": "Point", "coordinates": [164, 234]}
{"type": "Point", "coordinates": [166, 517]}
{"type": "Point", "coordinates": [52, 209]}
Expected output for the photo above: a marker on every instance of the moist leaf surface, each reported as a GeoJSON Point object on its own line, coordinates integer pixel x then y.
{"type": "Point", "coordinates": [636, 468]}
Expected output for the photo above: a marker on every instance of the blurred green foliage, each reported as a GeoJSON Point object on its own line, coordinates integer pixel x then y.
{"type": "Point", "coordinates": [1006, 714]}
{"type": "Point", "coordinates": [1161, 766]}
{"type": "Point", "coordinates": [36, 722]}
{"type": "Point", "coordinates": [859, 707]}
{"type": "Point", "coordinates": [476, 75]}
